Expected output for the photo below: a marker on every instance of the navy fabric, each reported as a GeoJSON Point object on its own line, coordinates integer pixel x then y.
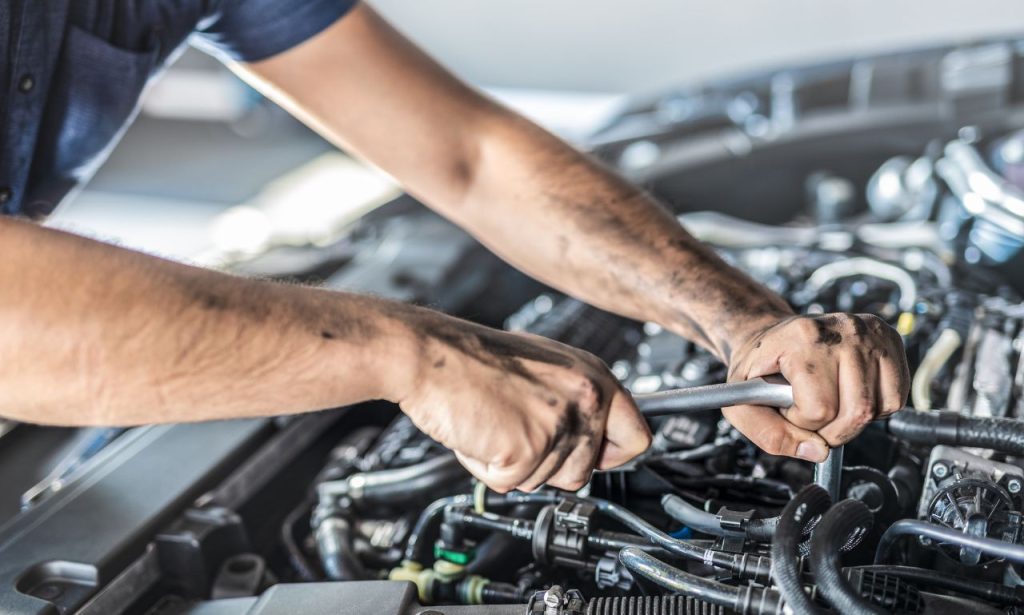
{"type": "Point", "coordinates": [74, 71]}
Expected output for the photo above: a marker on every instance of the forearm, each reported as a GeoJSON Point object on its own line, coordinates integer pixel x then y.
{"type": "Point", "coordinates": [94, 334]}
{"type": "Point", "coordinates": [527, 195]}
{"type": "Point", "coordinates": [592, 234]}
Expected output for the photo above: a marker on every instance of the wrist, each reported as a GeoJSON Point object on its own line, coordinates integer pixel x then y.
{"type": "Point", "coordinates": [724, 334]}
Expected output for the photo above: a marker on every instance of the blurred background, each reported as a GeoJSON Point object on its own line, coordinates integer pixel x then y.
{"type": "Point", "coordinates": [207, 158]}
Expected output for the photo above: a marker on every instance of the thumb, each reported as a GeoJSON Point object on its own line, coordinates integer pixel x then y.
{"type": "Point", "coordinates": [626, 433]}
{"type": "Point", "coordinates": [500, 481]}
{"type": "Point", "coordinates": [771, 432]}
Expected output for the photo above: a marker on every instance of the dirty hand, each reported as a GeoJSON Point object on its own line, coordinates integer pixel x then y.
{"type": "Point", "coordinates": [846, 370]}
{"type": "Point", "coordinates": [519, 410]}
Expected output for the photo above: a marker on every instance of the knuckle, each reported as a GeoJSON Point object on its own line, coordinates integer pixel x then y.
{"type": "Point", "coordinates": [643, 443]}
{"type": "Point", "coordinates": [862, 412]}
{"type": "Point", "coordinates": [807, 328]}
{"type": "Point", "coordinates": [589, 395]}
{"type": "Point", "coordinates": [891, 406]}
{"type": "Point", "coordinates": [816, 413]}
{"type": "Point", "coordinates": [576, 483]}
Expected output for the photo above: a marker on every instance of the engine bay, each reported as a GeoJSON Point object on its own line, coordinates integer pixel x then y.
{"type": "Point", "coordinates": [355, 511]}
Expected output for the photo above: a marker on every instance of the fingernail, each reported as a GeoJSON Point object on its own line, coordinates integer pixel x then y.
{"type": "Point", "coordinates": [812, 451]}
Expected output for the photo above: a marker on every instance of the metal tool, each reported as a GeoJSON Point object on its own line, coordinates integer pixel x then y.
{"type": "Point", "coordinates": [829, 473]}
{"type": "Point", "coordinates": [772, 391]}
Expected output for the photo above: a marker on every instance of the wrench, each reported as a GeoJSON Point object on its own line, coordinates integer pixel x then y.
{"type": "Point", "coordinates": [771, 391]}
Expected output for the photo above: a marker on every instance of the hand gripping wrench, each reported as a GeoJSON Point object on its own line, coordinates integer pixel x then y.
{"type": "Point", "coordinates": [772, 391]}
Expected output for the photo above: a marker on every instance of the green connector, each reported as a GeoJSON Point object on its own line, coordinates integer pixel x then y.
{"type": "Point", "coordinates": [456, 557]}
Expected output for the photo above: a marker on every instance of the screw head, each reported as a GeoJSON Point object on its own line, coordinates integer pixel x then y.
{"type": "Point", "coordinates": [553, 596]}
{"type": "Point", "coordinates": [1013, 486]}
{"type": "Point", "coordinates": [940, 470]}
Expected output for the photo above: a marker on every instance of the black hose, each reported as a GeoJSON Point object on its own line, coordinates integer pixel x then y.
{"type": "Point", "coordinates": [418, 546]}
{"type": "Point", "coordinates": [645, 529]}
{"type": "Point", "coordinates": [939, 533]}
{"type": "Point", "coordinates": [689, 515]}
{"type": "Point", "coordinates": [952, 428]}
{"type": "Point", "coordinates": [334, 543]}
{"type": "Point", "coordinates": [296, 557]}
{"type": "Point", "coordinates": [500, 593]}
{"type": "Point", "coordinates": [653, 569]}
{"type": "Point", "coordinates": [992, 592]}
{"type": "Point", "coordinates": [808, 503]}
{"type": "Point", "coordinates": [748, 600]}
{"type": "Point", "coordinates": [404, 484]}
{"type": "Point", "coordinates": [749, 566]}
{"type": "Point", "coordinates": [848, 520]}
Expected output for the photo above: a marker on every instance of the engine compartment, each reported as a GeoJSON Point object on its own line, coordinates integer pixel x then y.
{"type": "Point", "coordinates": [355, 511]}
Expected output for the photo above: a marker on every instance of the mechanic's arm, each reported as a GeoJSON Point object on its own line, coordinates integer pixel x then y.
{"type": "Point", "coordinates": [93, 334]}
{"type": "Point", "coordinates": [572, 223]}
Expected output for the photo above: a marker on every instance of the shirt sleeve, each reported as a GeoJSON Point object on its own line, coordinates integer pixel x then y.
{"type": "Point", "coordinates": [253, 30]}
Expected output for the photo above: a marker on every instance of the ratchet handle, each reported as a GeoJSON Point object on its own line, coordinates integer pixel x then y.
{"type": "Point", "coordinates": [772, 391]}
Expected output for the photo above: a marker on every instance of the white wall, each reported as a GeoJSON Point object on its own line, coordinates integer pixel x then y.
{"type": "Point", "coordinates": [640, 45]}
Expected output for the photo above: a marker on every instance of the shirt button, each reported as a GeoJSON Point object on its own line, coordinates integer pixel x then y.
{"type": "Point", "coordinates": [26, 83]}
{"type": "Point", "coordinates": [5, 194]}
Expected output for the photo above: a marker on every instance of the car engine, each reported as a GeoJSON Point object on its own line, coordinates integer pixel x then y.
{"type": "Point", "coordinates": [891, 186]}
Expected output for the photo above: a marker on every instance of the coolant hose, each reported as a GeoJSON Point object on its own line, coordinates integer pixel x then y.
{"type": "Point", "coordinates": [799, 513]}
{"type": "Point", "coordinates": [397, 485]}
{"type": "Point", "coordinates": [845, 522]}
{"type": "Point", "coordinates": [744, 564]}
{"type": "Point", "coordinates": [657, 571]}
{"type": "Point", "coordinates": [418, 547]}
{"type": "Point", "coordinates": [933, 361]}
{"type": "Point", "coordinates": [744, 600]}
{"type": "Point", "coordinates": [334, 543]}
{"type": "Point", "coordinates": [941, 534]}
{"type": "Point", "coordinates": [1004, 435]}
{"type": "Point", "coordinates": [689, 515]}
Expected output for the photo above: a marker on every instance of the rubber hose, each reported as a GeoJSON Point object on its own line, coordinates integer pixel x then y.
{"type": "Point", "coordinates": [750, 566]}
{"type": "Point", "coordinates": [808, 503]}
{"type": "Point", "coordinates": [849, 518]}
{"type": "Point", "coordinates": [920, 391]}
{"type": "Point", "coordinates": [653, 569]}
{"type": "Point", "coordinates": [1005, 435]}
{"type": "Point", "coordinates": [939, 533]}
{"type": "Point", "coordinates": [405, 484]}
{"type": "Point", "coordinates": [499, 593]}
{"type": "Point", "coordinates": [418, 546]}
{"type": "Point", "coordinates": [334, 543]}
{"type": "Point", "coordinates": [689, 515]}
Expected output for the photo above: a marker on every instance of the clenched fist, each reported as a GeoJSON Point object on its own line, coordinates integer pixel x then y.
{"type": "Point", "coordinates": [846, 370]}
{"type": "Point", "coordinates": [519, 410]}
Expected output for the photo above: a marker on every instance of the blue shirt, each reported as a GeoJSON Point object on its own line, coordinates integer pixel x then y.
{"type": "Point", "coordinates": [74, 70]}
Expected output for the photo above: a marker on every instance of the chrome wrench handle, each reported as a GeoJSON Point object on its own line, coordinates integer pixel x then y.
{"type": "Point", "coordinates": [774, 392]}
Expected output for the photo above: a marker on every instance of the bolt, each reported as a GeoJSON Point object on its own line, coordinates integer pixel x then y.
{"type": "Point", "coordinates": [553, 600]}
{"type": "Point", "coordinates": [1013, 486]}
{"type": "Point", "coordinates": [940, 470]}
